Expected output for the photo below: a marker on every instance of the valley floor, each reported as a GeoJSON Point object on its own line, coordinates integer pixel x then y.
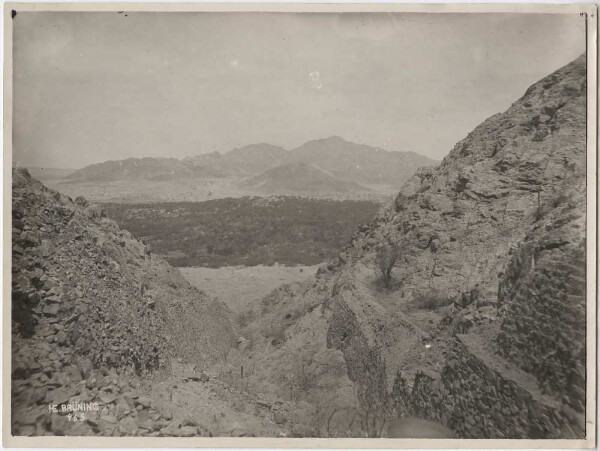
{"type": "Point", "coordinates": [188, 190]}
{"type": "Point", "coordinates": [241, 287]}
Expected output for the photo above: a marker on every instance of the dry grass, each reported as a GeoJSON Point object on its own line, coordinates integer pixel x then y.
{"type": "Point", "coordinates": [301, 380]}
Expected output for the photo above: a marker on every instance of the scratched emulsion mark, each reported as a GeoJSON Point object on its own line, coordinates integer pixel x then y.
{"type": "Point", "coordinates": [315, 79]}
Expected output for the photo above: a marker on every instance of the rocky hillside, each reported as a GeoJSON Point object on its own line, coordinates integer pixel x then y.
{"type": "Point", "coordinates": [459, 221]}
{"type": "Point", "coordinates": [93, 311]}
{"type": "Point", "coordinates": [502, 222]}
{"type": "Point", "coordinates": [483, 326]}
{"type": "Point", "coordinates": [298, 178]}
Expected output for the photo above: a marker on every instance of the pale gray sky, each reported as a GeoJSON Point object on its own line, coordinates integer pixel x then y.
{"type": "Point", "coordinates": [89, 87]}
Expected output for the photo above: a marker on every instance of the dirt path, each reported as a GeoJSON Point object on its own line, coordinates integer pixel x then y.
{"type": "Point", "coordinates": [408, 339]}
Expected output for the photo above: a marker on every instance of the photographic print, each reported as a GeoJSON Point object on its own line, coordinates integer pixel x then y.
{"type": "Point", "coordinates": [332, 222]}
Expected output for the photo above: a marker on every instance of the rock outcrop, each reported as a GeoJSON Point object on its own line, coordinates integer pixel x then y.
{"type": "Point", "coordinates": [457, 222]}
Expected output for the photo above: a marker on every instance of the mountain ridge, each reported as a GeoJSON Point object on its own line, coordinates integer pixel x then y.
{"type": "Point", "coordinates": [341, 159]}
{"type": "Point", "coordinates": [359, 162]}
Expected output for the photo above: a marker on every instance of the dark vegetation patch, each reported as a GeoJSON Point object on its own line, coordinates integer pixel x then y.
{"type": "Point", "coordinates": [245, 231]}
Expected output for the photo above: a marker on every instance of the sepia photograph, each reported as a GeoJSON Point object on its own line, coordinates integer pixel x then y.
{"type": "Point", "coordinates": [307, 222]}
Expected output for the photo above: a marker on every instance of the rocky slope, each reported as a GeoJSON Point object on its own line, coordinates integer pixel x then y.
{"type": "Point", "coordinates": [94, 314]}
{"type": "Point", "coordinates": [470, 210]}
{"type": "Point", "coordinates": [543, 294]}
{"type": "Point", "coordinates": [498, 230]}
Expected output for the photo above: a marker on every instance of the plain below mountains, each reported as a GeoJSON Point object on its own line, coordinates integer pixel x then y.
{"type": "Point", "coordinates": [324, 165]}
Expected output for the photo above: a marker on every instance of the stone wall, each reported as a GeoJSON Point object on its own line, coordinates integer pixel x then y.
{"type": "Point", "coordinates": [478, 393]}
{"type": "Point", "coordinates": [480, 398]}
{"type": "Point", "coordinates": [366, 367]}
{"type": "Point", "coordinates": [543, 292]}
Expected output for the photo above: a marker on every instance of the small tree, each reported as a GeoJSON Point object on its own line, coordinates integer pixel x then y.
{"type": "Point", "coordinates": [386, 258]}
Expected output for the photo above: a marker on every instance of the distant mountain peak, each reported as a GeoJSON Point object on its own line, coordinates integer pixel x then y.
{"type": "Point", "coordinates": [333, 155]}
{"type": "Point", "coordinates": [359, 163]}
{"type": "Point", "coordinates": [335, 138]}
{"type": "Point", "coordinates": [257, 146]}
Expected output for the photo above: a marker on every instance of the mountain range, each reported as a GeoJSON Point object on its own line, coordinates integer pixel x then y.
{"type": "Point", "coordinates": [337, 164]}
{"type": "Point", "coordinates": [245, 161]}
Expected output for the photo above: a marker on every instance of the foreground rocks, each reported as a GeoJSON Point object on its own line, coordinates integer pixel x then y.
{"type": "Point", "coordinates": [94, 314]}
{"type": "Point", "coordinates": [67, 401]}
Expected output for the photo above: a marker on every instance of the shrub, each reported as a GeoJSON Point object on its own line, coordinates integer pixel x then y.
{"type": "Point", "coordinates": [385, 259]}
{"type": "Point", "coordinates": [245, 318]}
{"type": "Point", "coordinates": [274, 332]}
{"type": "Point", "coordinates": [81, 201]}
{"type": "Point", "coordinates": [431, 299]}
{"type": "Point", "coordinates": [301, 380]}
{"type": "Point", "coordinates": [305, 378]}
